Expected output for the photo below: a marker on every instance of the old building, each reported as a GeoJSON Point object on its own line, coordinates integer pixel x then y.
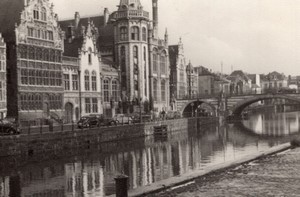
{"type": "Point", "coordinates": [240, 83]}
{"type": "Point", "coordinates": [273, 82]}
{"type": "Point", "coordinates": [178, 75]}
{"type": "Point", "coordinates": [3, 100]}
{"type": "Point", "coordinates": [81, 83]}
{"type": "Point", "coordinates": [128, 40]}
{"type": "Point", "coordinates": [192, 81]}
{"type": "Point", "coordinates": [34, 60]}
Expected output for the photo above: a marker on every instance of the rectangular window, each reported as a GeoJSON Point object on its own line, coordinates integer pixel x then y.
{"type": "Point", "coordinates": [106, 91]}
{"type": "Point", "coordinates": [94, 83]}
{"type": "Point", "coordinates": [87, 105]}
{"type": "Point", "coordinates": [52, 78]}
{"type": "Point", "coordinates": [1, 91]}
{"type": "Point", "coordinates": [163, 65]}
{"type": "Point", "coordinates": [75, 82]}
{"type": "Point", "coordinates": [67, 81]}
{"type": "Point", "coordinates": [155, 63]}
{"type": "Point", "coordinates": [24, 76]}
{"type": "Point", "coordinates": [115, 92]}
{"type": "Point", "coordinates": [58, 79]}
{"type": "Point", "coordinates": [50, 35]}
{"type": "Point", "coordinates": [95, 105]}
{"type": "Point", "coordinates": [46, 78]}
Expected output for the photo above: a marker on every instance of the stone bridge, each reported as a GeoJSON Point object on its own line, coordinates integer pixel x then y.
{"type": "Point", "coordinates": [232, 104]}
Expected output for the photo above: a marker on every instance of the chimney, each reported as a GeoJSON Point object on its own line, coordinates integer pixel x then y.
{"type": "Point", "coordinates": [77, 19]}
{"type": "Point", "coordinates": [106, 16]}
{"type": "Point", "coordinates": [155, 17]}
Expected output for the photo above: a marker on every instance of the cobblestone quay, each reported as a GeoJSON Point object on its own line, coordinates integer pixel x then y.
{"type": "Point", "coordinates": [277, 175]}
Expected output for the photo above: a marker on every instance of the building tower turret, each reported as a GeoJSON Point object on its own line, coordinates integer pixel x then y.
{"type": "Point", "coordinates": [155, 17]}
{"type": "Point", "coordinates": [131, 24]}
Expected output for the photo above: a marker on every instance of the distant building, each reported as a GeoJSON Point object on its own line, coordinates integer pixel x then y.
{"type": "Point", "coordinates": [240, 82]}
{"type": "Point", "coordinates": [3, 100]}
{"type": "Point", "coordinates": [192, 80]}
{"type": "Point", "coordinates": [273, 81]}
{"type": "Point", "coordinates": [206, 80]}
{"type": "Point", "coordinates": [34, 60]}
{"type": "Point", "coordinates": [178, 77]}
{"type": "Point", "coordinates": [256, 83]}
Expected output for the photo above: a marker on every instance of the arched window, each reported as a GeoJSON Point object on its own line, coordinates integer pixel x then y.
{"type": "Point", "coordinates": [135, 59]}
{"type": "Point", "coordinates": [90, 55]}
{"type": "Point", "coordinates": [87, 80]}
{"type": "Point", "coordinates": [115, 92]}
{"type": "Point", "coordinates": [94, 81]}
{"type": "Point", "coordinates": [144, 35]}
{"type": "Point", "coordinates": [145, 71]}
{"type": "Point", "coordinates": [163, 90]}
{"type": "Point", "coordinates": [36, 14]}
{"type": "Point", "coordinates": [106, 90]}
{"type": "Point", "coordinates": [163, 68]}
{"type": "Point", "coordinates": [44, 14]}
{"type": "Point", "coordinates": [155, 61]}
{"type": "Point", "coordinates": [135, 33]}
{"type": "Point", "coordinates": [155, 90]}
{"type": "Point", "coordinates": [123, 68]}
{"type": "Point", "coordinates": [123, 33]}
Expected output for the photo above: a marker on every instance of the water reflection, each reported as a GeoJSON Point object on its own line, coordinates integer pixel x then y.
{"type": "Point", "coordinates": [274, 124]}
{"type": "Point", "coordinates": [154, 160]}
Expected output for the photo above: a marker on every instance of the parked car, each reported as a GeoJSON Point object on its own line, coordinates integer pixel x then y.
{"type": "Point", "coordinates": [122, 119]}
{"type": "Point", "coordinates": [88, 122]}
{"type": "Point", "coordinates": [9, 127]}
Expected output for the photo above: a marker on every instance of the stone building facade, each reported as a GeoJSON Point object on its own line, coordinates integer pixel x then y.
{"type": "Point", "coordinates": [192, 81]}
{"type": "Point", "coordinates": [3, 100]}
{"type": "Point", "coordinates": [34, 54]}
{"type": "Point", "coordinates": [178, 75]}
{"type": "Point", "coordinates": [81, 70]}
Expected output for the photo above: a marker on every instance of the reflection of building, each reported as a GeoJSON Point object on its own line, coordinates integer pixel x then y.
{"type": "Point", "coordinates": [3, 101]}
{"type": "Point", "coordinates": [82, 83]}
{"type": "Point", "coordinates": [34, 53]}
{"type": "Point", "coordinates": [178, 77]}
{"type": "Point", "coordinates": [4, 187]}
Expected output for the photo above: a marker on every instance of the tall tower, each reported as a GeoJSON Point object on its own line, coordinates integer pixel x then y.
{"type": "Point", "coordinates": [155, 17]}
{"type": "Point", "coordinates": [131, 49]}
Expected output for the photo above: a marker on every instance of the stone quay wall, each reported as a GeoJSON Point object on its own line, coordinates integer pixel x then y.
{"type": "Point", "coordinates": [35, 142]}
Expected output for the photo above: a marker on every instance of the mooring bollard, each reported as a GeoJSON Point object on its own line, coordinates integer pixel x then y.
{"type": "Point", "coordinates": [121, 186]}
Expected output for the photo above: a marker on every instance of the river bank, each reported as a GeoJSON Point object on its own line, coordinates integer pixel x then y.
{"type": "Point", "coordinates": [32, 143]}
{"type": "Point", "coordinates": [273, 175]}
{"type": "Point", "coordinates": [186, 182]}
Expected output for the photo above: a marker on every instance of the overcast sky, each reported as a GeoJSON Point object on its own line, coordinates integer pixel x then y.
{"type": "Point", "coordinates": [257, 36]}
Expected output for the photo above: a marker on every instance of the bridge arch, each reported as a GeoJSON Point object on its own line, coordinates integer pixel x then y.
{"type": "Point", "coordinates": [190, 108]}
{"type": "Point", "coordinates": [239, 107]}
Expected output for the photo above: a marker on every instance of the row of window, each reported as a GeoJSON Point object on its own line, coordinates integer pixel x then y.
{"type": "Point", "coordinates": [159, 60]}
{"type": "Point", "coordinates": [110, 93]}
{"type": "Point", "coordinates": [40, 34]}
{"type": "Point", "coordinates": [40, 14]}
{"type": "Point", "coordinates": [134, 33]}
{"type": "Point", "coordinates": [41, 77]}
{"type": "Point", "coordinates": [163, 90]}
{"type": "Point", "coordinates": [91, 105]}
{"type": "Point", "coordinates": [87, 81]}
{"type": "Point", "coordinates": [39, 53]}
{"type": "Point", "coordinates": [35, 101]}
{"type": "Point", "coordinates": [68, 83]}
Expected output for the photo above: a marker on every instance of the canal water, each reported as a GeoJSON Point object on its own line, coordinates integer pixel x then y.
{"type": "Point", "coordinates": [146, 161]}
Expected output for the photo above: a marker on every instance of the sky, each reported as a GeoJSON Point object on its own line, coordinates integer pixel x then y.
{"type": "Point", "coordinates": [256, 36]}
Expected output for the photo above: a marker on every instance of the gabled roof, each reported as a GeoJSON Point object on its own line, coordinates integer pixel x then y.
{"type": "Point", "coordinates": [71, 48]}
{"type": "Point", "coordinates": [240, 73]}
